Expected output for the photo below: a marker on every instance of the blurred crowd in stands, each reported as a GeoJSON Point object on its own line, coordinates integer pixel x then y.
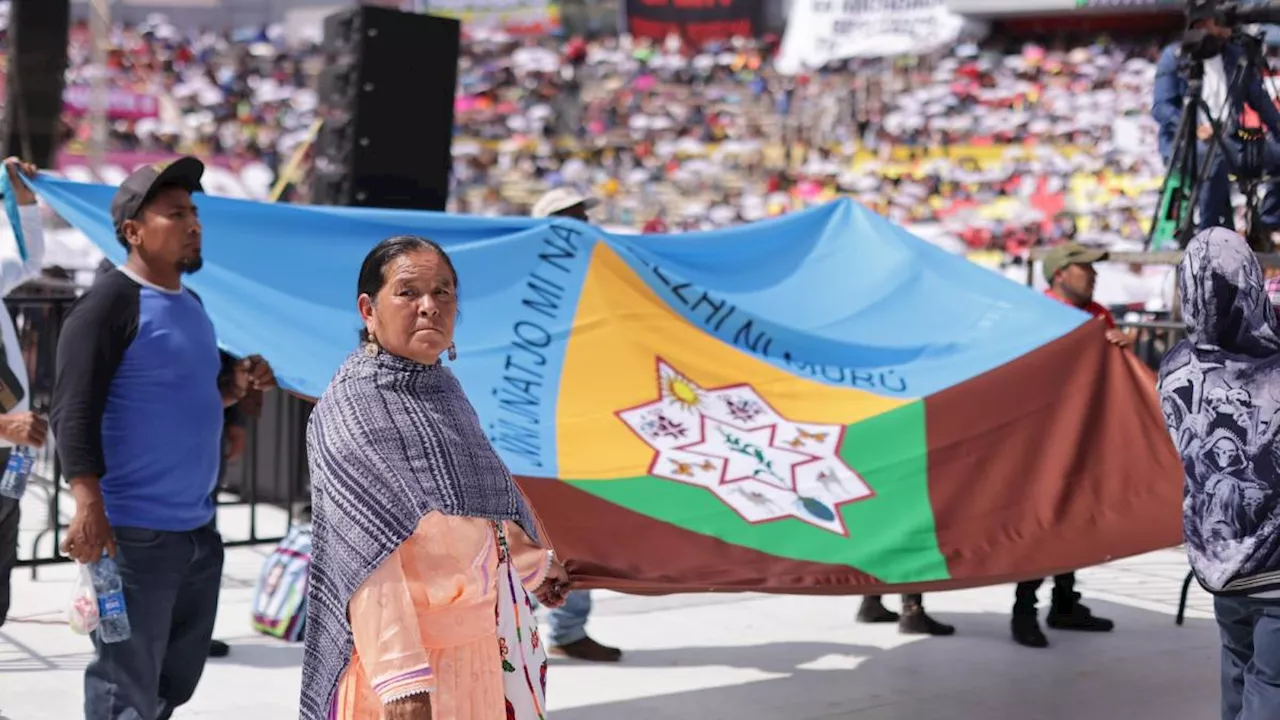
{"type": "Point", "coordinates": [987, 148]}
{"type": "Point", "coordinates": [247, 94]}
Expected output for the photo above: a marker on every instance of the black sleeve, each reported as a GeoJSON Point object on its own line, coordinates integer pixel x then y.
{"type": "Point", "coordinates": [232, 415]}
{"type": "Point", "coordinates": [227, 369]}
{"type": "Point", "coordinates": [97, 331]}
{"type": "Point", "coordinates": [104, 267]}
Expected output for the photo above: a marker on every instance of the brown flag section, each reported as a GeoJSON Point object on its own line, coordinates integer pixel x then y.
{"type": "Point", "coordinates": [1055, 461]}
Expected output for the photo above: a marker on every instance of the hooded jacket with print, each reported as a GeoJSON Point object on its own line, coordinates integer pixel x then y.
{"type": "Point", "coordinates": [1220, 394]}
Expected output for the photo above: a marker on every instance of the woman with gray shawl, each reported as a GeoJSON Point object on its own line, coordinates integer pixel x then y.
{"type": "Point", "coordinates": [424, 550]}
{"type": "Point", "coordinates": [1220, 392]}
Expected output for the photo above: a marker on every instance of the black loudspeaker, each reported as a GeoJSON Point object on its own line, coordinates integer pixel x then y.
{"type": "Point", "coordinates": [38, 33]}
{"type": "Point", "coordinates": [386, 97]}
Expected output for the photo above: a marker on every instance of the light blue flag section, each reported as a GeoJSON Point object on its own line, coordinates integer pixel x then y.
{"type": "Point", "coordinates": [280, 280]}
{"type": "Point", "coordinates": [11, 212]}
{"type": "Point", "coordinates": [840, 295]}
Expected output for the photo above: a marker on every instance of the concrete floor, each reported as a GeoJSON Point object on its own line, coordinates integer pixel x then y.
{"type": "Point", "coordinates": [733, 656]}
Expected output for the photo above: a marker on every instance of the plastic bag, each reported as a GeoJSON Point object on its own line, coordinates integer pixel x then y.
{"type": "Point", "coordinates": [82, 609]}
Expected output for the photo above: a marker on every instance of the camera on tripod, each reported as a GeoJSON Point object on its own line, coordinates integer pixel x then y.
{"type": "Point", "coordinates": [1218, 65]}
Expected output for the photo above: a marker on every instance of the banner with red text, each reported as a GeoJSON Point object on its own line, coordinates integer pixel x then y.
{"type": "Point", "coordinates": [694, 20]}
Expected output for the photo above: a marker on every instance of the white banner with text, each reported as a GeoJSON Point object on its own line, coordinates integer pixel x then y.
{"type": "Point", "coordinates": [823, 31]}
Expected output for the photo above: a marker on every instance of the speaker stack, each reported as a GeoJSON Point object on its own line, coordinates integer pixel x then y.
{"type": "Point", "coordinates": [34, 79]}
{"type": "Point", "coordinates": [387, 97]}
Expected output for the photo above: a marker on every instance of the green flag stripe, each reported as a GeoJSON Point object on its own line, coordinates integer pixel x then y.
{"type": "Point", "coordinates": [891, 535]}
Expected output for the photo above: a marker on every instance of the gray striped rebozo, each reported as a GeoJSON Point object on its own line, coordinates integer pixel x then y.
{"type": "Point", "coordinates": [389, 441]}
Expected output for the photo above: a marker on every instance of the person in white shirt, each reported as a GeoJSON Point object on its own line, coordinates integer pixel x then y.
{"type": "Point", "coordinates": [19, 426]}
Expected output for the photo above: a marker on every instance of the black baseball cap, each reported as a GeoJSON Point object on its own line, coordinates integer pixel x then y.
{"type": "Point", "coordinates": [142, 185]}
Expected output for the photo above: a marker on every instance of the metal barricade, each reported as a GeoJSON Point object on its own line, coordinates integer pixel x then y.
{"type": "Point", "coordinates": [1154, 335]}
{"type": "Point", "coordinates": [258, 498]}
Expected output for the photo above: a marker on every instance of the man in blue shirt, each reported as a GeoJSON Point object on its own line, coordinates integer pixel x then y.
{"type": "Point", "coordinates": [233, 440]}
{"type": "Point", "coordinates": [138, 411]}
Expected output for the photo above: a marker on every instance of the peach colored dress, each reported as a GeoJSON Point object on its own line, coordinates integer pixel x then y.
{"type": "Point", "coordinates": [428, 620]}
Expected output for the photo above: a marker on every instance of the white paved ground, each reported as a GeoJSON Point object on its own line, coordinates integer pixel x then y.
{"type": "Point", "coordinates": [734, 657]}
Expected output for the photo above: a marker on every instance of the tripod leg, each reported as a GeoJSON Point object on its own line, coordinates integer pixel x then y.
{"type": "Point", "coordinates": [1258, 233]}
{"type": "Point", "coordinates": [1215, 209]}
{"type": "Point", "coordinates": [1175, 209]}
{"type": "Point", "coordinates": [1198, 211]}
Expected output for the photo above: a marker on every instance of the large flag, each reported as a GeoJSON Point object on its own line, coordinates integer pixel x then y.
{"type": "Point", "coordinates": [817, 403]}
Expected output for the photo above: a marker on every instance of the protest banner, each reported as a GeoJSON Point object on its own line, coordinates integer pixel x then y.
{"type": "Point", "coordinates": [822, 31]}
{"type": "Point", "coordinates": [821, 403]}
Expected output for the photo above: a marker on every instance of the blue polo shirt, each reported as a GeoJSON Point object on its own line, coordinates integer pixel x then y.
{"type": "Point", "coordinates": [136, 402]}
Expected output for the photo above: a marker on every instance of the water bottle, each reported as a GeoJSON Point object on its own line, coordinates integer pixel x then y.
{"type": "Point", "coordinates": [14, 481]}
{"type": "Point", "coordinates": [113, 617]}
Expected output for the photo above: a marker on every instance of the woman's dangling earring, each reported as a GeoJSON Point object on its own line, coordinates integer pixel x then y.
{"type": "Point", "coordinates": [453, 353]}
{"type": "Point", "coordinates": [371, 346]}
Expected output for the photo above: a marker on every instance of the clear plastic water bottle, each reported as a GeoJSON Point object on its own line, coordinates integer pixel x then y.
{"type": "Point", "coordinates": [113, 617]}
{"type": "Point", "coordinates": [14, 481]}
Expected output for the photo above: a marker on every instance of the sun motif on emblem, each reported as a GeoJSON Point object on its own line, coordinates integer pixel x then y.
{"type": "Point", "coordinates": [729, 441]}
{"type": "Point", "coordinates": [681, 391]}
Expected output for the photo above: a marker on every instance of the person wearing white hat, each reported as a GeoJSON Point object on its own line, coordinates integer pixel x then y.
{"type": "Point", "coordinates": [568, 623]}
{"type": "Point", "coordinates": [564, 202]}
